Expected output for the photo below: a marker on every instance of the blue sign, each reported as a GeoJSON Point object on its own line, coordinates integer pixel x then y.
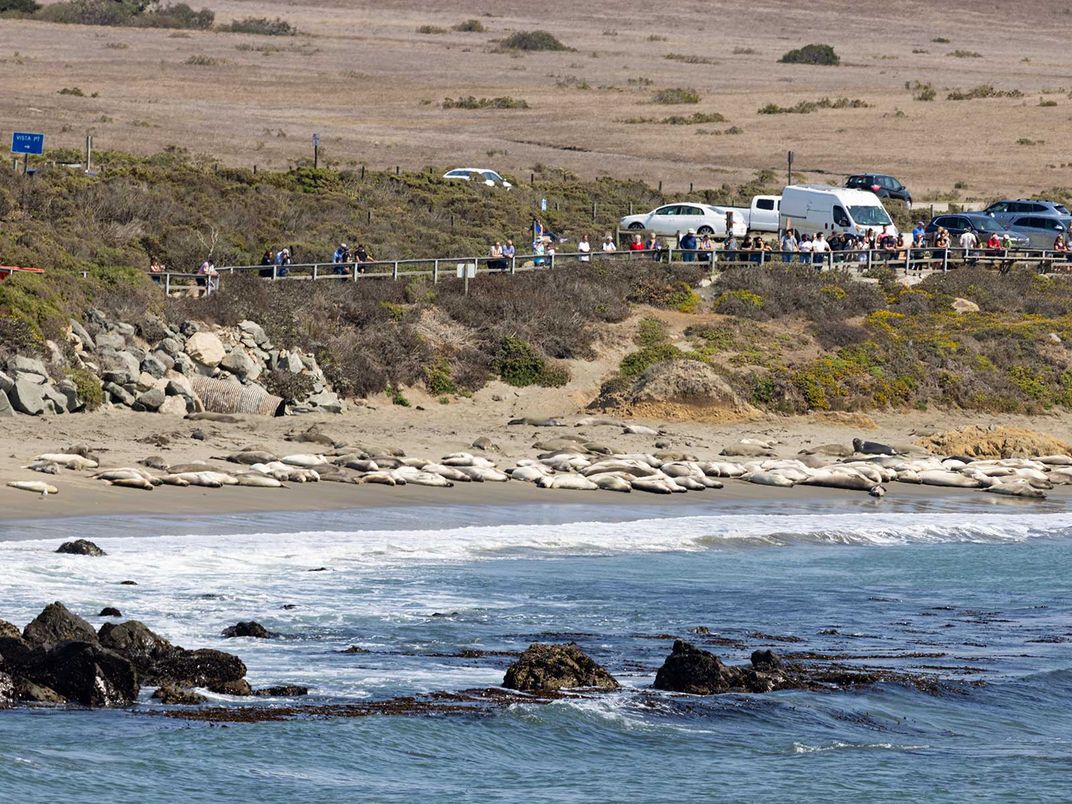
{"type": "Point", "coordinates": [23, 142]}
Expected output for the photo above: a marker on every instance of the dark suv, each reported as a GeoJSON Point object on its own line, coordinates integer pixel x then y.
{"type": "Point", "coordinates": [881, 185]}
{"type": "Point", "coordinates": [978, 222]}
{"type": "Point", "coordinates": [1005, 211]}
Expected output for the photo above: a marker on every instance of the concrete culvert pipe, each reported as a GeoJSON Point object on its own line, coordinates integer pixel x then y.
{"type": "Point", "coordinates": [226, 396]}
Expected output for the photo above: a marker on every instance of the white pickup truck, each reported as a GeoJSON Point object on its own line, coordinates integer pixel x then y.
{"type": "Point", "coordinates": [762, 216]}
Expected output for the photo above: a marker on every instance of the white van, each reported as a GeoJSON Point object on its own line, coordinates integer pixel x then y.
{"type": "Point", "coordinates": [811, 208]}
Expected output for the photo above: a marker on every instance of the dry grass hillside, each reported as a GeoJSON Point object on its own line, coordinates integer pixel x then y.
{"type": "Point", "coordinates": [362, 75]}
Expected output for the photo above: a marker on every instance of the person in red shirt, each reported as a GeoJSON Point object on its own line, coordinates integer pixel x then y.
{"type": "Point", "coordinates": [637, 244]}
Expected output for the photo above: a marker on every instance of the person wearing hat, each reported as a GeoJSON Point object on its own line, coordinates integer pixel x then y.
{"type": "Point", "coordinates": [687, 244]}
{"type": "Point", "coordinates": [340, 258]}
{"type": "Point", "coordinates": [917, 234]}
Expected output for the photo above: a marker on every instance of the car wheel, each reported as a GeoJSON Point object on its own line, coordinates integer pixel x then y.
{"type": "Point", "coordinates": [705, 230]}
{"type": "Point", "coordinates": [636, 226]}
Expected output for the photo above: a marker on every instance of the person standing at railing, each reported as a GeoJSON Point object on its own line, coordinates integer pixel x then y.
{"type": "Point", "coordinates": [968, 242]}
{"type": "Point", "coordinates": [282, 262]}
{"type": "Point", "coordinates": [360, 256]}
{"type": "Point", "coordinates": [267, 261]}
{"type": "Point", "coordinates": [495, 258]}
{"type": "Point", "coordinates": [730, 247]}
{"type": "Point", "coordinates": [584, 248]}
{"type": "Point", "coordinates": [508, 251]}
{"type": "Point", "coordinates": [687, 244]}
{"type": "Point", "coordinates": [653, 246]}
{"type": "Point", "coordinates": [804, 248]}
{"type": "Point", "coordinates": [789, 244]}
{"type": "Point", "coordinates": [340, 258]}
{"type": "Point", "coordinates": [609, 245]}
{"type": "Point", "coordinates": [707, 250]}
{"type": "Point", "coordinates": [207, 276]}
{"type": "Point", "coordinates": [637, 243]}
{"type": "Point", "coordinates": [819, 249]}
{"type": "Point", "coordinates": [918, 232]}
{"type": "Point", "coordinates": [155, 269]}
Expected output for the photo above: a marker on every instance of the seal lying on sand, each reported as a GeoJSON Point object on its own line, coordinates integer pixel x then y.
{"type": "Point", "coordinates": [37, 486]}
{"type": "Point", "coordinates": [872, 447]}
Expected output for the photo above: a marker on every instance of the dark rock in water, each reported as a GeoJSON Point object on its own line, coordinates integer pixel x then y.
{"type": "Point", "coordinates": [247, 628]}
{"type": "Point", "coordinates": [354, 649]}
{"type": "Point", "coordinates": [28, 692]}
{"type": "Point", "coordinates": [690, 669]}
{"type": "Point", "coordinates": [138, 643]}
{"type": "Point", "coordinates": [200, 668]}
{"type": "Point", "coordinates": [178, 696]}
{"type": "Point", "coordinates": [110, 611]}
{"type": "Point", "coordinates": [282, 691]}
{"type": "Point", "coordinates": [239, 687]}
{"type": "Point", "coordinates": [80, 547]}
{"type": "Point", "coordinates": [543, 667]}
{"type": "Point", "coordinates": [766, 660]}
{"type": "Point", "coordinates": [15, 653]}
{"type": "Point", "coordinates": [701, 630]}
{"type": "Point", "coordinates": [86, 673]}
{"type": "Point", "coordinates": [9, 630]}
{"type": "Point", "coordinates": [7, 690]}
{"type": "Point", "coordinates": [289, 606]}
{"type": "Point", "coordinates": [128, 583]}
{"type": "Point", "coordinates": [56, 624]}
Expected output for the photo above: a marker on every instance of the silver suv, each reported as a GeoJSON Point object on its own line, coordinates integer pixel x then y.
{"type": "Point", "coordinates": [1005, 211]}
{"type": "Point", "coordinates": [1040, 230]}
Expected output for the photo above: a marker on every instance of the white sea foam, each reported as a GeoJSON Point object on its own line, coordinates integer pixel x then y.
{"type": "Point", "coordinates": [801, 748]}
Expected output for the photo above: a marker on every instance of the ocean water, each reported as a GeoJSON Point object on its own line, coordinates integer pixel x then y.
{"type": "Point", "coordinates": [980, 596]}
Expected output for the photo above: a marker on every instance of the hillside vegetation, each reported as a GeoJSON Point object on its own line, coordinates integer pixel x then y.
{"type": "Point", "coordinates": [784, 338]}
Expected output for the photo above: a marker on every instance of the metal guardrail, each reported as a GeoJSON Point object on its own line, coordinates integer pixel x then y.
{"type": "Point", "coordinates": [910, 260]}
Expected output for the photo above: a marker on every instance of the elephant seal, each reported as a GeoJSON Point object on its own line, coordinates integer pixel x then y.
{"type": "Point", "coordinates": [257, 480]}
{"type": "Point", "coordinates": [45, 467]}
{"type": "Point", "coordinates": [639, 429]}
{"type": "Point", "coordinates": [1017, 488]}
{"type": "Point", "coordinates": [132, 483]}
{"type": "Point", "coordinates": [574, 482]}
{"type": "Point", "coordinates": [536, 422]}
{"type": "Point", "coordinates": [73, 461]}
{"type": "Point", "coordinates": [768, 479]}
{"type": "Point", "coordinates": [608, 481]}
{"type": "Point", "coordinates": [872, 447]}
{"type": "Point", "coordinates": [654, 485]}
{"type": "Point", "coordinates": [942, 477]}
{"type": "Point", "coordinates": [529, 474]}
{"type": "Point", "coordinates": [37, 486]}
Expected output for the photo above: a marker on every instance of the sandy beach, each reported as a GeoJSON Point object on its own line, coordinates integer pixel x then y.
{"type": "Point", "coordinates": [431, 430]}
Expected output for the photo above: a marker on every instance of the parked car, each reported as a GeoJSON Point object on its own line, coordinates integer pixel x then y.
{"type": "Point", "coordinates": [1004, 211]}
{"type": "Point", "coordinates": [881, 185]}
{"type": "Point", "coordinates": [761, 216]}
{"type": "Point", "coordinates": [811, 208]}
{"type": "Point", "coordinates": [1040, 230]}
{"type": "Point", "coordinates": [488, 177]}
{"type": "Point", "coordinates": [670, 219]}
{"type": "Point", "coordinates": [979, 222]}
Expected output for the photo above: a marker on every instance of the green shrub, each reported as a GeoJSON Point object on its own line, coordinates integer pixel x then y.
{"type": "Point", "coordinates": [532, 40]}
{"type": "Point", "coordinates": [650, 332]}
{"type": "Point", "coordinates": [437, 379]}
{"type": "Point", "coordinates": [965, 54]}
{"type": "Point", "coordinates": [807, 107]}
{"type": "Point", "coordinates": [288, 385]}
{"type": "Point", "coordinates": [983, 91]}
{"type": "Point", "coordinates": [397, 397]}
{"type": "Point", "coordinates": [430, 29]}
{"type": "Point", "coordinates": [201, 60]}
{"type": "Point", "coordinates": [75, 91]}
{"type": "Point", "coordinates": [504, 102]}
{"type": "Point", "coordinates": [677, 95]}
{"type": "Point", "coordinates": [636, 363]}
{"type": "Point", "coordinates": [21, 6]}
{"type": "Point", "coordinates": [520, 364]}
{"type": "Point", "coordinates": [262, 26]}
{"type": "Point", "coordinates": [689, 59]}
{"type": "Point", "coordinates": [811, 54]}
{"type": "Point", "coordinates": [126, 13]}
{"type": "Point", "coordinates": [88, 387]}
{"type": "Point", "coordinates": [470, 26]}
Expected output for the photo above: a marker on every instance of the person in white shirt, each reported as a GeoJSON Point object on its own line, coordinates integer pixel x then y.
{"type": "Point", "coordinates": [819, 248]}
{"type": "Point", "coordinates": [969, 240]}
{"type": "Point", "coordinates": [804, 247]}
{"type": "Point", "coordinates": [608, 244]}
{"type": "Point", "coordinates": [584, 247]}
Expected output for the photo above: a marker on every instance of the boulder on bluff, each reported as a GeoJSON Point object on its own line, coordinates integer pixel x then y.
{"type": "Point", "coordinates": [548, 668]}
{"type": "Point", "coordinates": [57, 624]}
{"type": "Point", "coordinates": [206, 348]}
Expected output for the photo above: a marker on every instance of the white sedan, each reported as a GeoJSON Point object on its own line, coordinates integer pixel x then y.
{"type": "Point", "coordinates": [671, 219]}
{"type": "Point", "coordinates": [488, 177]}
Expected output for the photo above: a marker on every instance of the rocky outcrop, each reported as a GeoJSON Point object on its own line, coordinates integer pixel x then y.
{"type": "Point", "coordinates": [700, 672]}
{"type": "Point", "coordinates": [675, 390]}
{"type": "Point", "coordinates": [58, 658]}
{"type": "Point", "coordinates": [178, 696]}
{"type": "Point", "coordinates": [80, 547]}
{"type": "Point", "coordinates": [56, 624]}
{"type": "Point", "coordinates": [547, 668]}
{"type": "Point", "coordinates": [991, 441]}
{"type": "Point", "coordinates": [153, 374]}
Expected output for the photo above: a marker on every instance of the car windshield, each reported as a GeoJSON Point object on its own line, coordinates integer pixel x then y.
{"type": "Point", "coordinates": [492, 175]}
{"type": "Point", "coordinates": [870, 216]}
{"type": "Point", "coordinates": [987, 224]}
